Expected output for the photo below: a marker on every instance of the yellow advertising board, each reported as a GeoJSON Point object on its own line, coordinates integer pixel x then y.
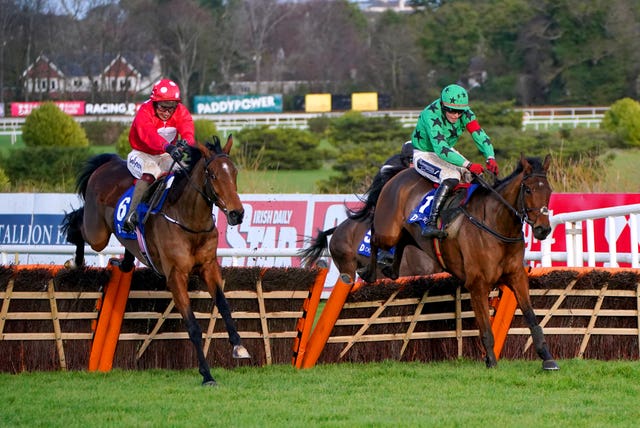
{"type": "Point", "coordinates": [317, 103]}
{"type": "Point", "coordinates": [364, 101]}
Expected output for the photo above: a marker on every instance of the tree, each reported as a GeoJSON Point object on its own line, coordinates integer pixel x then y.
{"type": "Point", "coordinates": [49, 126]}
{"type": "Point", "coordinates": [182, 29]}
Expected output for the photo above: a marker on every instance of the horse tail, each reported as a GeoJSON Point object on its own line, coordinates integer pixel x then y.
{"type": "Point", "coordinates": [365, 213]}
{"type": "Point", "coordinates": [89, 168]}
{"type": "Point", "coordinates": [71, 226]}
{"type": "Point", "coordinates": [312, 253]}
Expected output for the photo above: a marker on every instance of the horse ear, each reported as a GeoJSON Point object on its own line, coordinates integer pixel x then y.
{"type": "Point", "coordinates": [526, 166]}
{"type": "Point", "coordinates": [546, 163]}
{"type": "Point", "coordinates": [215, 146]}
{"type": "Point", "coordinates": [227, 147]}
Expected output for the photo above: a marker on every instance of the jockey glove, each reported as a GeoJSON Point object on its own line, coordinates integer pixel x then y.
{"type": "Point", "coordinates": [175, 152]}
{"type": "Point", "coordinates": [476, 168]}
{"type": "Point", "coordinates": [492, 166]}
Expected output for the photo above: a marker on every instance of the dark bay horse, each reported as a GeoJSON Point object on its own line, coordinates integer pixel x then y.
{"type": "Point", "coordinates": [347, 237]}
{"type": "Point", "coordinates": [181, 239]}
{"type": "Point", "coordinates": [485, 244]}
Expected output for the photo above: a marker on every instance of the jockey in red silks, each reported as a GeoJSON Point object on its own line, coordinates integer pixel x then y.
{"type": "Point", "coordinates": [159, 123]}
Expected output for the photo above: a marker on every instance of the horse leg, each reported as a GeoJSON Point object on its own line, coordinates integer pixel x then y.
{"type": "Point", "coordinates": [368, 273]}
{"type": "Point", "coordinates": [177, 283]}
{"type": "Point", "coordinates": [239, 351]}
{"type": "Point", "coordinates": [127, 261]}
{"type": "Point", "coordinates": [393, 271]}
{"type": "Point", "coordinates": [520, 287]}
{"type": "Point", "coordinates": [212, 276]}
{"type": "Point", "coordinates": [480, 305]}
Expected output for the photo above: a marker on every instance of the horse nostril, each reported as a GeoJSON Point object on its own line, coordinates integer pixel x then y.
{"type": "Point", "coordinates": [235, 217]}
{"type": "Point", "coordinates": [541, 232]}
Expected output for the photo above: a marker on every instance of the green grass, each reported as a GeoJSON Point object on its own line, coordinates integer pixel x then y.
{"type": "Point", "coordinates": [621, 176]}
{"type": "Point", "coordinates": [250, 181]}
{"type": "Point", "coordinates": [390, 394]}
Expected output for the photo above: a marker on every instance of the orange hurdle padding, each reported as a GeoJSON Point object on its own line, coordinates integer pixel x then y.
{"type": "Point", "coordinates": [305, 324]}
{"type": "Point", "coordinates": [327, 320]}
{"type": "Point", "coordinates": [502, 319]}
{"type": "Point", "coordinates": [104, 317]}
{"type": "Point", "coordinates": [115, 322]}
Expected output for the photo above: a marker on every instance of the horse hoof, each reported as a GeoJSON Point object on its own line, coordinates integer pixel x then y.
{"type": "Point", "coordinates": [209, 383]}
{"type": "Point", "coordinates": [389, 273]}
{"type": "Point", "coordinates": [363, 273]}
{"type": "Point", "coordinates": [240, 351]}
{"type": "Point", "coordinates": [550, 365]}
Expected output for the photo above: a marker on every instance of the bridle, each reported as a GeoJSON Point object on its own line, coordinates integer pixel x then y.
{"type": "Point", "coordinates": [206, 190]}
{"type": "Point", "coordinates": [522, 212]}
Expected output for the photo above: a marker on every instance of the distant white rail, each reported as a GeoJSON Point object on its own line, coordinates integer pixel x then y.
{"type": "Point", "coordinates": [532, 118]}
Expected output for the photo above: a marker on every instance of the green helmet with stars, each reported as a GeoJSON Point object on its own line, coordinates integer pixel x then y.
{"type": "Point", "coordinates": [455, 97]}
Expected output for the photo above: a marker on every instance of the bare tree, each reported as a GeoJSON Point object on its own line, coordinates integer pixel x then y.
{"type": "Point", "coordinates": [262, 18]}
{"type": "Point", "coordinates": [181, 28]}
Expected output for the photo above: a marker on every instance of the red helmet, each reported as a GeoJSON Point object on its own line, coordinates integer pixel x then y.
{"type": "Point", "coordinates": [165, 90]}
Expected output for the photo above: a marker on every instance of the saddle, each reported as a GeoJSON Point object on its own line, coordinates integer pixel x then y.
{"type": "Point", "coordinates": [451, 207]}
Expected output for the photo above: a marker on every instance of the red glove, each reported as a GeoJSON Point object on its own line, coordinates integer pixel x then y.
{"type": "Point", "coordinates": [476, 168]}
{"type": "Point", "coordinates": [492, 166]}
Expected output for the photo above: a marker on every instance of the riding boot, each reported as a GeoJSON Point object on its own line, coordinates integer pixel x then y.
{"type": "Point", "coordinates": [430, 229]}
{"type": "Point", "coordinates": [131, 218]}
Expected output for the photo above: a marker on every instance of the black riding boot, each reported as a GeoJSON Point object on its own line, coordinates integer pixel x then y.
{"type": "Point", "coordinates": [131, 218]}
{"type": "Point", "coordinates": [430, 230]}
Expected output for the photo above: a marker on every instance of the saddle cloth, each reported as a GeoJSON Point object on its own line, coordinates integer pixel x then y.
{"type": "Point", "coordinates": [420, 213]}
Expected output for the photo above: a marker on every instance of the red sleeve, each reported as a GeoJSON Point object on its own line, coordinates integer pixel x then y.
{"type": "Point", "coordinates": [184, 124]}
{"type": "Point", "coordinates": [144, 132]}
{"type": "Point", "coordinates": [473, 126]}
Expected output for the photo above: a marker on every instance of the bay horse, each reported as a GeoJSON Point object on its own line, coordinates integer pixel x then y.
{"type": "Point", "coordinates": [179, 240]}
{"type": "Point", "coordinates": [485, 244]}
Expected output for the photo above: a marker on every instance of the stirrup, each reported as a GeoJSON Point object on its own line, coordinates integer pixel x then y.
{"type": "Point", "coordinates": [430, 230]}
{"type": "Point", "coordinates": [130, 223]}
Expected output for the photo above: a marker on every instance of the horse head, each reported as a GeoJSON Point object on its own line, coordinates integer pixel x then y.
{"type": "Point", "coordinates": [221, 180]}
{"type": "Point", "coordinates": [534, 196]}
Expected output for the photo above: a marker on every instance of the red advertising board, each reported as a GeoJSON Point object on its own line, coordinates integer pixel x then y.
{"type": "Point", "coordinates": [73, 108]}
{"type": "Point", "coordinates": [575, 202]}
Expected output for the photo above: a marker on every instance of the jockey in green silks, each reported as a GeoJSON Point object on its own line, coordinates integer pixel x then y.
{"type": "Point", "coordinates": [439, 127]}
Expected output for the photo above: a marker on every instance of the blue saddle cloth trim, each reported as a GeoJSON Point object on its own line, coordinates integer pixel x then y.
{"type": "Point", "coordinates": [364, 249]}
{"type": "Point", "coordinates": [422, 211]}
{"type": "Point", "coordinates": [420, 214]}
{"type": "Point", "coordinates": [122, 207]}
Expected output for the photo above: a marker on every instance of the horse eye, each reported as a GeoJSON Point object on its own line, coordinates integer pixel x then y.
{"type": "Point", "coordinates": [527, 190]}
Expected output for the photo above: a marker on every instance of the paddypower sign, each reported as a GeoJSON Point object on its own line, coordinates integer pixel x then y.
{"type": "Point", "coordinates": [220, 104]}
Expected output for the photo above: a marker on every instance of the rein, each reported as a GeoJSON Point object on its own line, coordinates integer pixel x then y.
{"type": "Point", "coordinates": [208, 188]}
{"type": "Point", "coordinates": [522, 214]}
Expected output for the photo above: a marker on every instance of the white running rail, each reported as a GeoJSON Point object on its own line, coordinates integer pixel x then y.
{"type": "Point", "coordinates": [577, 224]}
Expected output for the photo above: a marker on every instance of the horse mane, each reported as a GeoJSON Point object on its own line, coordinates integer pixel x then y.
{"type": "Point", "coordinates": [194, 155]}
{"type": "Point", "coordinates": [89, 168]}
{"type": "Point", "coordinates": [536, 165]}
{"type": "Point", "coordinates": [370, 198]}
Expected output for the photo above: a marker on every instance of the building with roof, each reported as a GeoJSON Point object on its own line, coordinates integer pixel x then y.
{"type": "Point", "coordinates": [115, 76]}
